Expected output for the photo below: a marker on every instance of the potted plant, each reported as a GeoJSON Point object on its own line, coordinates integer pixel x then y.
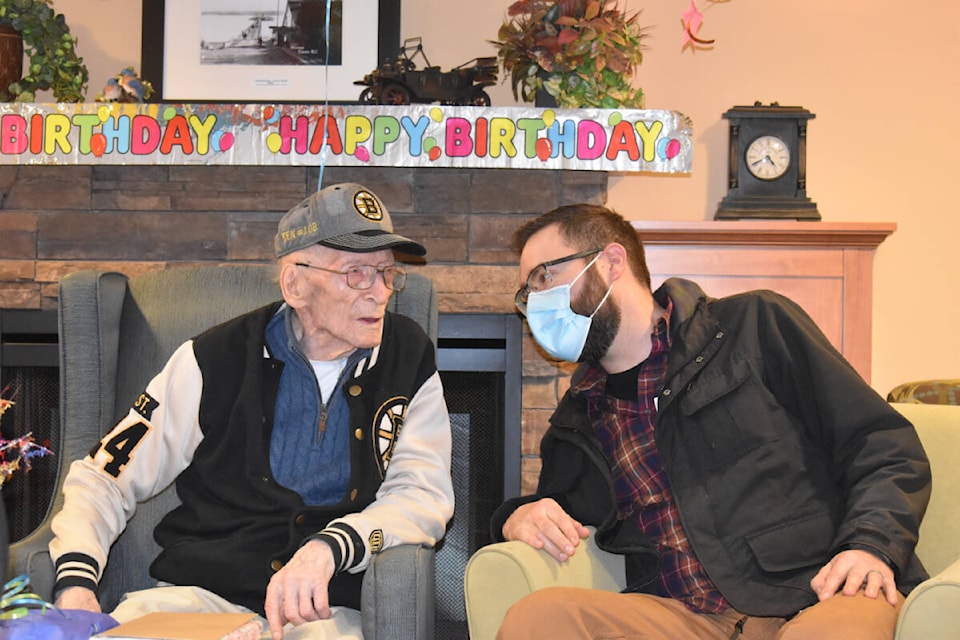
{"type": "Point", "coordinates": [54, 63]}
{"type": "Point", "coordinates": [581, 52]}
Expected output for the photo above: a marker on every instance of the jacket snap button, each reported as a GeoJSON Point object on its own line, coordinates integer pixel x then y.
{"type": "Point", "coordinates": [719, 335]}
{"type": "Point", "coordinates": [276, 565]}
{"type": "Point", "coordinates": [353, 495]}
{"type": "Point", "coordinates": [699, 359]}
{"type": "Point", "coordinates": [354, 390]}
{"type": "Point", "coordinates": [665, 392]}
{"type": "Point", "coordinates": [299, 519]}
{"type": "Point", "coordinates": [359, 434]}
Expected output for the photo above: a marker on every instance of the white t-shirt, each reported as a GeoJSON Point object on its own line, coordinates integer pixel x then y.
{"type": "Point", "coordinates": [328, 372]}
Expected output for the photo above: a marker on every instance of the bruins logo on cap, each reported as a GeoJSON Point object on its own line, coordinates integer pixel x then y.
{"type": "Point", "coordinates": [368, 206]}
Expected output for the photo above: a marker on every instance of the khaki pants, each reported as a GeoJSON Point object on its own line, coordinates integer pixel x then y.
{"type": "Point", "coordinates": [562, 613]}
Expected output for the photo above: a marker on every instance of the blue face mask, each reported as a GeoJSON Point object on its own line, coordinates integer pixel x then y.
{"type": "Point", "coordinates": [556, 327]}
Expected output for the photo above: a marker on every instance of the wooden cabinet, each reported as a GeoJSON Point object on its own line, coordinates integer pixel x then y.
{"type": "Point", "coordinates": [827, 268]}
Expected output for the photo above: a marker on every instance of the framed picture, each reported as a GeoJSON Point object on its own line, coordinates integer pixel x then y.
{"type": "Point", "coordinates": [265, 50]}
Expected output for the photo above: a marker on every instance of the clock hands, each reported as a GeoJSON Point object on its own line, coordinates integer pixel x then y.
{"type": "Point", "coordinates": [765, 158]}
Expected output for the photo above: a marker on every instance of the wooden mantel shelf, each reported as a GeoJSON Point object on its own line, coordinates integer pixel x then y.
{"type": "Point", "coordinates": [826, 267]}
{"type": "Point", "coordinates": [765, 232]}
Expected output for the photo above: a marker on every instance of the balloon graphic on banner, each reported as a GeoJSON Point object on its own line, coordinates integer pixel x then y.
{"type": "Point", "coordinates": [668, 149]}
{"type": "Point", "coordinates": [433, 151]}
{"type": "Point", "coordinates": [274, 143]}
{"type": "Point", "coordinates": [226, 141]}
{"type": "Point", "coordinates": [544, 148]}
{"type": "Point", "coordinates": [98, 144]}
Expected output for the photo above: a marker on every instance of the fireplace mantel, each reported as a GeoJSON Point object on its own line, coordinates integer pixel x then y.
{"type": "Point", "coordinates": [765, 232]}
{"type": "Point", "coordinates": [825, 267]}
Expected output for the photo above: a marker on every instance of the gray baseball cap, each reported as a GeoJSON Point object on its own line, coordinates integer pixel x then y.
{"type": "Point", "coordinates": [348, 217]}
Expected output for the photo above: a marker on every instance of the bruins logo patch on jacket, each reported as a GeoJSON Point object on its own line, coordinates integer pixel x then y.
{"type": "Point", "coordinates": [387, 424]}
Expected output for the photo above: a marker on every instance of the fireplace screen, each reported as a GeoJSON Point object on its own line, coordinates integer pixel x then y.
{"type": "Point", "coordinates": [479, 361]}
{"type": "Point", "coordinates": [29, 373]}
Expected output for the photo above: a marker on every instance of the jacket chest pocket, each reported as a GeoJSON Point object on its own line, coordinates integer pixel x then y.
{"type": "Point", "coordinates": [725, 415]}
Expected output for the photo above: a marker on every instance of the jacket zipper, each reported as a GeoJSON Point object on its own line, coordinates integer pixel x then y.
{"type": "Point", "coordinates": [322, 424]}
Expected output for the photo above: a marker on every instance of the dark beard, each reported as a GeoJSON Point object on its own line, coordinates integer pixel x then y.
{"type": "Point", "coordinates": [605, 324]}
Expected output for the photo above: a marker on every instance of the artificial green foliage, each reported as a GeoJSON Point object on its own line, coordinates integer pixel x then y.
{"type": "Point", "coordinates": [582, 52]}
{"type": "Point", "coordinates": [54, 63]}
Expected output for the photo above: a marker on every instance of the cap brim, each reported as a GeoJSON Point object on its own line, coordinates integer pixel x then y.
{"type": "Point", "coordinates": [367, 242]}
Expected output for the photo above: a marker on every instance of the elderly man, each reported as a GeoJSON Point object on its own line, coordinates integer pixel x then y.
{"type": "Point", "coordinates": [272, 426]}
{"type": "Point", "coordinates": [755, 485]}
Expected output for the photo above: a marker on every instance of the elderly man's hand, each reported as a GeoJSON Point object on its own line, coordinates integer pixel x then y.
{"type": "Point", "coordinates": [78, 598]}
{"type": "Point", "coordinates": [848, 571]}
{"type": "Point", "coordinates": [298, 592]}
{"type": "Point", "coordinates": [545, 525]}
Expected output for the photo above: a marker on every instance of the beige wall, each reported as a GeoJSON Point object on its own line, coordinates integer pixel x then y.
{"type": "Point", "coordinates": [880, 76]}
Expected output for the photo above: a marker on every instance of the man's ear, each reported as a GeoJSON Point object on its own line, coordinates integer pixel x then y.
{"type": "Point", "coordinates": [616, 256]}
{"type": "Point", "coordinates": [291, 284]}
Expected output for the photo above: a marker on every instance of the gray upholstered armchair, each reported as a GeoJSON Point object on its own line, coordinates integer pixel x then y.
{"type": "Point", "coordinates": [115, 334]}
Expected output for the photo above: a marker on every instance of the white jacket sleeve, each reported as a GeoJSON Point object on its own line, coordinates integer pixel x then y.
{"type": "Point", "coordinates": [415, 501]}
{"type": "Point", "coordinates": [136, 460]}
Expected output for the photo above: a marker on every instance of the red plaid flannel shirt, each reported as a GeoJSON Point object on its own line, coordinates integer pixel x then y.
{"type": "Point", "coordinates": [625, 431]}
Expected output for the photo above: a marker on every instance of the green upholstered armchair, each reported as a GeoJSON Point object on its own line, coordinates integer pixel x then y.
{"type": "Point", "coordinates": [115, 334]}
{"type": "Point", "coordinates": [500, 574]}
{"type": "Point", "coordinates": [940, 391]}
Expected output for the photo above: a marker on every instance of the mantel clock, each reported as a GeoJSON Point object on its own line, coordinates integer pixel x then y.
{"type": "Point", "coordinates": [767, 173]}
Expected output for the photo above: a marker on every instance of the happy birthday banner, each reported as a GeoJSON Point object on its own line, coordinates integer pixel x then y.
{"type": "Point", "coordinates": [628, 140]}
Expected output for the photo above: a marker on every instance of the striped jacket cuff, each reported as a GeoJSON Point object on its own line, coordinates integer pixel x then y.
{"type": "Point", "coordinates": [76, 570]}
{"type": "Point", "coordinates": [346, 543]}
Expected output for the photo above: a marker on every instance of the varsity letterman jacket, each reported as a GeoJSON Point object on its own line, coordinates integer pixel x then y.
{"type": "Point", "coordinates": [205, 422]}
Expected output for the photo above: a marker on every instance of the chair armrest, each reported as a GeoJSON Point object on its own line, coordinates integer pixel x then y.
{"type": "Point", "coordinates": [30, 556]}
{"type": "Point", "coordinates": [932, 610]}
{"type": "Point", "coordinates": [500, 574]}
{"type": "Point", "coordinates": [397, 597]}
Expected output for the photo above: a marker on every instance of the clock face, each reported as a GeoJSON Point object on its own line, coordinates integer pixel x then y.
{"type": "Point", "coordinates": [768, 157]}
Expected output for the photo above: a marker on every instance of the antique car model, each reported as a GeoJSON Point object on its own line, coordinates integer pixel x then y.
{"type": "Point", "coordinates": [399, 81]}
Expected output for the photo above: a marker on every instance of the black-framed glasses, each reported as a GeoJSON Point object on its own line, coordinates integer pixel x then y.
{"type": "Point", "coordinates": [361, 276]}
{"type": "Point", "coordinates": [540, 278]}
